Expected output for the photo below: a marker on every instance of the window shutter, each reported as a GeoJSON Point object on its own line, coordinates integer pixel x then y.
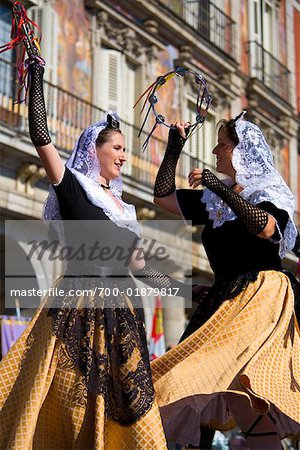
{"type": "Point", "coordinates": [208, 140]}
{"type": "Point", "coordinates": [116, 91]}
{"type": "Point", "coordinates": [255, 34]}
{"type": "Point", "coordinates": [255, 31]}
{"type": "Point", "coordinates": [201, 143]}
{"type": "Point", "coordinates": [7, 72]}
{"type": "Point", "coordinates": [129, 92]}
{"type": "Point", "coordinates": [111, 79]}
{"type": "Point", "coordinates": [194, 142]}
{"type": "Point", "coordinates": [126, 109]}
{"type": "Point", "coordinates": [46, 18]}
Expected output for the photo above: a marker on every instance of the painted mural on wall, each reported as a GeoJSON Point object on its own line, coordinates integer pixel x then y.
{"type": "Point", "coordinates": [74, 52]}
{"type": "Point", "coordinates": [168, 94]}
{"type": "Point", "coordinates": [168, 104]}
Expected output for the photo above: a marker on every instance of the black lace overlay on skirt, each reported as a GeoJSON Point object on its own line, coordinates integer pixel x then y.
{"type": "Point", "coordinates": [106, 341]}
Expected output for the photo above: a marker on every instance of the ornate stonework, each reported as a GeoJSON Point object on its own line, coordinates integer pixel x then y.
{"type": "Point", "coordinates": [124, 38]}
{"type": "Point", "coordinates": [27, 176]}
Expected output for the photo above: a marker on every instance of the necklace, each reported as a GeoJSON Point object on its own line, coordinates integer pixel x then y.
{"type": "Point", "coordinates": [104, 186]}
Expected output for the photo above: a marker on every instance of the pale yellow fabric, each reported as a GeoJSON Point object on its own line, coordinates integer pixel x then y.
{"type": "Point", "coordinates": [250, 346]}
{"type": "Point", "coordinates": [43, 402]}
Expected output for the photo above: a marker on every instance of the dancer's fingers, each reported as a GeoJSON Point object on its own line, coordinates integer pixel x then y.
{"type": "Point", "coordinates": [195, 175]}
{"type": "Point", "coordinates": [195, 184]}
{"type": "Point", "coordinates": [195, 178]}
{"type": "Point", "coordinates": [180, 129]}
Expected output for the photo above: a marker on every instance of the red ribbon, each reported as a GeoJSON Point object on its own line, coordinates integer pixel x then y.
{"type": "Point", "coordinates": [18, 36]}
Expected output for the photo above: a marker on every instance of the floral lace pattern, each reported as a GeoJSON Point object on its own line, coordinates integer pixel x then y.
{"type": "Point", "coordinates": [109, 348]}
{"type": "Point", "coordinates": [253, 161]}
{"type": "Point", "coordinates": [217, 209]}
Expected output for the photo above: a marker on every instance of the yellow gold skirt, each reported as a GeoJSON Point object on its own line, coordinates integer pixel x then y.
{"type": "Point", "coordinates": [79, 379]}
{"type": "Point", "coordinates": [250, 347]}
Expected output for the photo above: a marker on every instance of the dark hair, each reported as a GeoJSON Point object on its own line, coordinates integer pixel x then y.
{"type": "Point", "coordinates": [105, 135]}
{"type": "Point", "coordinates": [229, 126]}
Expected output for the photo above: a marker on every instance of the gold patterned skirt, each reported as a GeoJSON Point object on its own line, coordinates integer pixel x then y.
{"type": "Point", "coordinates": [250, 347]}
{"type": "Point", "coordinates": [79, 378]}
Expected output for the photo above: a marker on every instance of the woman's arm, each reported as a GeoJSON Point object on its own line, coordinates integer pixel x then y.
{"type": "Point", "coordinates": [255, 219]}
{"type": "Point", "coordinates": [165, 188]}
{"type": "Point", "coordinates": [148, 274]}
{"type": "Point", "coordinates": [38, 128]}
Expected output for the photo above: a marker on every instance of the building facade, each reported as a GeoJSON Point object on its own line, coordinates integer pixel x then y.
{"type": "Point", "coordinates": [102, 55]}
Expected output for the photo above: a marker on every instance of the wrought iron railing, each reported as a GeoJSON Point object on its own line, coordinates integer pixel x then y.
{"type": "Point", "coordinates": [266, 68]}
{"type": "Point", "coordinates": [68, 115]}
{"type": "Point", "coordinates": [208, 20]}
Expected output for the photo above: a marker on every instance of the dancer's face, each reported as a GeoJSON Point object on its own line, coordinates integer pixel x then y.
{"type": "Point", "coordinates": [223, 151]}
{"type": "Point", "coordinates": [112, 156]}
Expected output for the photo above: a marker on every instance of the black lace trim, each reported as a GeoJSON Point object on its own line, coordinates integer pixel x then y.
{"type": "Point", "coordinates": [109, 347]}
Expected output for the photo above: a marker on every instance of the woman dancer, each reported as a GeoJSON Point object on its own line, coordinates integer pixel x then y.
{"type": "Point", "coordinates": [79, 376]}
{"type": "Point", "coordinates": [241, 367]}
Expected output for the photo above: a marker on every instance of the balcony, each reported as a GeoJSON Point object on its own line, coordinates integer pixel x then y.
{"type": "Point", "coordinates": [267, 69]}
{"type": "Point", "coordinates": [68, 115]}
{"type": "Point", "coordinates": [208, 20]}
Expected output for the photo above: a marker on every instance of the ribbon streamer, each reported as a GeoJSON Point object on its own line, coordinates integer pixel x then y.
{"type": "Point", "coordinates": [22, 31]}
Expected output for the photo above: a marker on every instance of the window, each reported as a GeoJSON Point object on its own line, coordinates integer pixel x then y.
{"type": "Point", "coordinates": [264, 36]}
{"type": "Point", "coordinates": [46, 18]}
{"type": "Point", "coordinates": [263, 24]}
{"type": "Point", "coordinates": [197, 14]}
{"type": "Point", "coordinates": [202, 142]}
{"type": "Point", "coordinates": [7, 59]}
{"type": "Point", "coordinates": [116, 91]}
{"type": "Point", "coordinates": [263, 33]}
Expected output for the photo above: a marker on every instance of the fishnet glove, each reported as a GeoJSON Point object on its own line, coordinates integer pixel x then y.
{"type": "Point", "coordinates": [38, 128]}
{"type": "Point", "coordinates": [159, 280]}
{"type": "Point", "coordinates": [253, 218]}
{"type": "Point", "coordinates": [165, 179]}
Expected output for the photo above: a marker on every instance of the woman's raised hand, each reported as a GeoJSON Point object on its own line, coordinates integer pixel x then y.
{"type": "Point", "coordinates": [38, 127]}
{"type": "Point", "coordinates": [178, 135]}
{"type": "Point", "coordinates": [182, 127]}
{"type": "Point", "coordinates": [165, 186]}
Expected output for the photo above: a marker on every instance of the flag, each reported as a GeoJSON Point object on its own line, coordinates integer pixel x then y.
{"type": "Point", "coordinates": [11, 329]}
{"type": "Point", "coordinates": [157, 341]}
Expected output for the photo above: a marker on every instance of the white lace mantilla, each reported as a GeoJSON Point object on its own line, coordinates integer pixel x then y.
{"type": "Point", "coordinates": [252, 160]}
{"type": "Point", "coordinates": [84, 164]}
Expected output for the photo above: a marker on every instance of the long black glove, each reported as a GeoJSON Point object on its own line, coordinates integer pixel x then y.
{"type": "Point", "coordinates": [156, 279]}
{"type": "Point", "coordinates": [38, 128]}
{"type": "Point", "coordinates": [252, 217]}
{"type": "Point", "coordinates": [165, 179]}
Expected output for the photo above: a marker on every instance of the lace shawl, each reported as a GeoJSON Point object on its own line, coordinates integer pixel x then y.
{"type": "Point", "coordinates": [84, 164]}
{"type": "Point", "coordinates": [253, 162]}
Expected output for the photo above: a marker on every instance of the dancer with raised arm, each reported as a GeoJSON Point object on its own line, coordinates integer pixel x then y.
{"type": "Point", "coordinates": [79, 376]}
{"type": "Point", "coordinates": [238, 363]}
